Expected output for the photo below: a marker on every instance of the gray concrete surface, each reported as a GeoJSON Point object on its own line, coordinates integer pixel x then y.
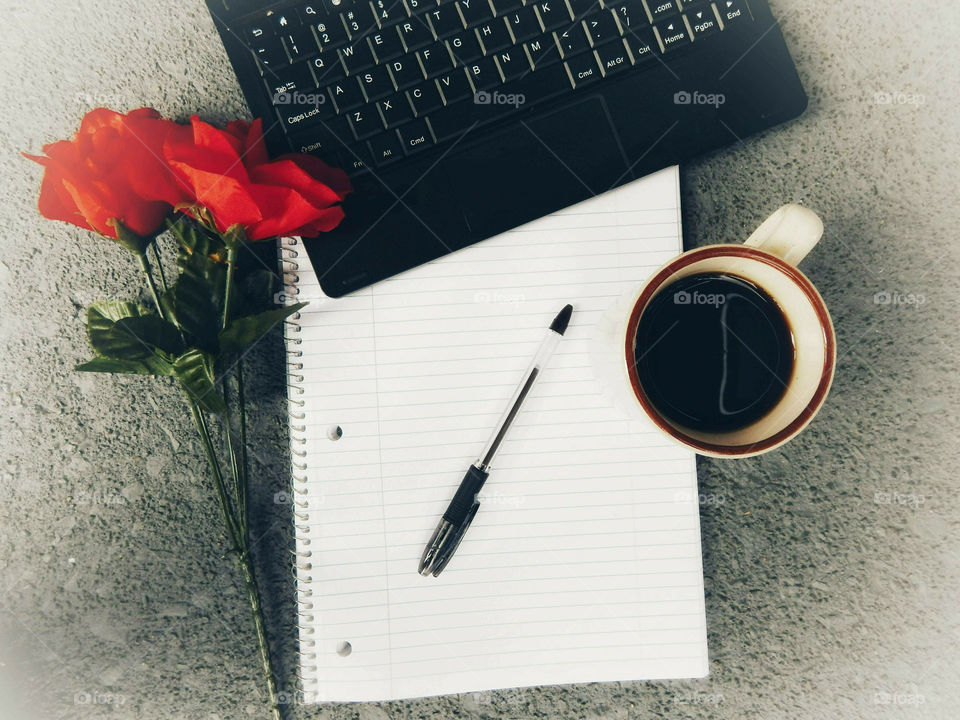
{"type": "Point", "coordinates": [831, 565]}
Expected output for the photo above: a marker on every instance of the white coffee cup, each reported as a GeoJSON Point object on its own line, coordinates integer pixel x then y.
{"type": "Point", "coordinates": [768, 259]}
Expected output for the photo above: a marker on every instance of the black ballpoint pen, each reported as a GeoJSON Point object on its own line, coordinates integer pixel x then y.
{"type": "Point", "coordinates": [461, 510]}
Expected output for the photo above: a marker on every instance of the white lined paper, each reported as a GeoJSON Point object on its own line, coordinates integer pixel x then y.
{"type": "Point", "coordinates": [583, 563]}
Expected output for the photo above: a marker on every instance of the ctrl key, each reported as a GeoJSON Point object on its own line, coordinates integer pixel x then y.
{"type": "Point", "coordinates": [415, 136]}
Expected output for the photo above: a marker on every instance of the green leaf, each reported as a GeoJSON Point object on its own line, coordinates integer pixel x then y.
{"type": "Point", "coordinates": [147, 366]}
{"type": "Point", "coordinates": [153, 330]}
{"type": "Point", "coordinates": [244, 331]}
{"type": "Point", "coordinates": [194, 370]}
{"type": "Point", "coordinates": [109, 340]}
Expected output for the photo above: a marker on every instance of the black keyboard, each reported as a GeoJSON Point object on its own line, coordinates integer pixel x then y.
{"type": "Point", "coordinates": [367, 83]}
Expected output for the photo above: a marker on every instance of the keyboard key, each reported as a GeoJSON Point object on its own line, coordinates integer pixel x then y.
{"type": "Point", "coordinates": [511, 63]}
{"type": "Point", "coordinates": [672, 35]}
{"type": "Point", "coordinates": [385, 148]}
{"type": "Point", "coordinates": [581, 8]}
{"type": "Point", "coordinates": [483, 74]}
{"type": "Point", "coordinates": [356, 57]}
{"type": "Point", "coordinates": [406, 71]}
{"type": "Point", "coordinates": [357, 158]}
{"type": "Point", "coordinates": [702, 22]}
{"type": "Point", "coordinates": [328, 140]}
{"type": "Point", "coordinates": [435, 59]}
{"type": "Point", "coordinates": [474, 12]}
{"type": "Point", "coordinates": [419, 6]}
{"type": "Point", "coordinates": [642, 45]}
{"type": "Point", "coordinates": [365, 121]}
{"type": "Point", "coordinates": [269, 52]}
{"type": "Point", "coordinates": [376, 82]}
{"type": "Point", "coordinates": [394, 110]}
{"type": "Point", "coordinates": [386, 44]}
{"type": "Point", "coordinates": [337, 6]}
{"type": "Point", "coordinates": [731, 11]}
{"type": "Point", "coordinates": [630, 13]}
{"type": "Point", "coordinates": [415, 136]}
{"type": "Point", "coordinates": [542, 51]}
{"type": "Point", "coordinates": [359, 21]}
{"type": "Point", "coordinates": [309, 12]}
{"type": "Point", "coordinates": [454, 86]}
{"type": "Point", "coordinates": [659, 9]}
{"type": "Point", "coordinates": [299, 44]}
{"type": "Point", "coordinates": [415, 33]}
{"type": "Point", "coordinates": [387, 11]}
{"type": "Point", "coordinates": [289, 79]}
{"type": "Point", "coordinates": [302, 108]}
{"type": "Point", "coordinates": [601, 27]}
{"type": "Point", "coordinates": [572, 40]}
{"type": "Point", "coordinates": [254, 32]}
{"type": "Point", "coordinates": [523, 24]}
{"type": "Point", "coordinates": [464, 47]}
{"type": "Point", "coordinates": [346, 94]}
{"type": "Point", "coordinates": [503, 7]}
{"type": "Point", "coordinates": [582, 70]}
{"type": "Point", "coordinates": [330, 33]}
{"type": "Point", "coordinates": [424, 97]}
{"type": "Point", "coordinates": [445, 20]}
{"type": "Point", "coordinates": [613, 57]}
{"type": "Point", "coordinates": [553, 14]}
{"type": "Point", "coordinates": [284, 21]}
{"type": "Point", "coordinates": [494, 36]}
{"type": "Point", "coordinates": [326, 68]}
{"type": "Point", "coordinates": [539, 86]}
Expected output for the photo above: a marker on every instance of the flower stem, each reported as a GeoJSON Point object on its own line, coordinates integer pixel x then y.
{"type": "Point", "coordinates": [145, 268]}
{"type": "Point", "coordinates": [239, 537]}
{"type": "Point", "coordinates": [234, 533]}
{"type": "Point", "coordinates": [253, 593]}
{"type": "Point", "coordinates": [228, 290]}
{"type": "Point", "coordinates": [160, 273]}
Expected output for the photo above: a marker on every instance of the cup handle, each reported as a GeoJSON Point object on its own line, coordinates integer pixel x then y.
{"type": "Point", "coordinates": [790, 233]}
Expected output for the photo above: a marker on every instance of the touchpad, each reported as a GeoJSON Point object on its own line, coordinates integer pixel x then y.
{"type": "Point", "coordinates": [539, 166]}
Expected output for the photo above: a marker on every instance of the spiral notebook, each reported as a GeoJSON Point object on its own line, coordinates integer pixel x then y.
{"type": "Point", "coordinates": [583, 563]}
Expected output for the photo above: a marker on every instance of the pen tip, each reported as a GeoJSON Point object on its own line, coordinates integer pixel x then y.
{"type": "Point", "coordinates": [560, 322]}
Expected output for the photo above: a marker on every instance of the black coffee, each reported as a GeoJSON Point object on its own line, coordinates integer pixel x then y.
{"type": "Point", "coordinates": [714, 352]}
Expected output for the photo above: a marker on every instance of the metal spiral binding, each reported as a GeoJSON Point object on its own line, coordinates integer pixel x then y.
{"type": "Point", "coordinates": [288, 253]}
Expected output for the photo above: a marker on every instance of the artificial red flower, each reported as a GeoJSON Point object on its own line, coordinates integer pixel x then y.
{"type": "Point", "coordinates": [229, 173]}
{"type": "Point", "coordinates": [112, 170]}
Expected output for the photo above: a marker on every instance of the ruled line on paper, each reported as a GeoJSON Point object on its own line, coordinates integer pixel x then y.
{"type": "Point", "coordinates": [597, 573]}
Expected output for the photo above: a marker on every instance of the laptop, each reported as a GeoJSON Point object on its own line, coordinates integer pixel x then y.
{"type": "Point", "coordinates": [460, 119]}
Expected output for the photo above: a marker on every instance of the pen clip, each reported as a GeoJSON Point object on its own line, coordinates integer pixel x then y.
{"type": "Point", "coordinates": [454, 541]}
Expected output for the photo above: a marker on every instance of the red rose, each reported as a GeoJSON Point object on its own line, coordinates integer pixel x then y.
{"type": "Point", "coordinates": [229, 173]}
{"type": "Point", "coordinates": [112, 170]}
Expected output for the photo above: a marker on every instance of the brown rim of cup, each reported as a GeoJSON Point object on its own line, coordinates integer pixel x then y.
{"type": "Point", "coordinates": [826, 376]}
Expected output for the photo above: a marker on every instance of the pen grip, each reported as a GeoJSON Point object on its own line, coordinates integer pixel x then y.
{"type": "Point", "coordinates": [466, 495]}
